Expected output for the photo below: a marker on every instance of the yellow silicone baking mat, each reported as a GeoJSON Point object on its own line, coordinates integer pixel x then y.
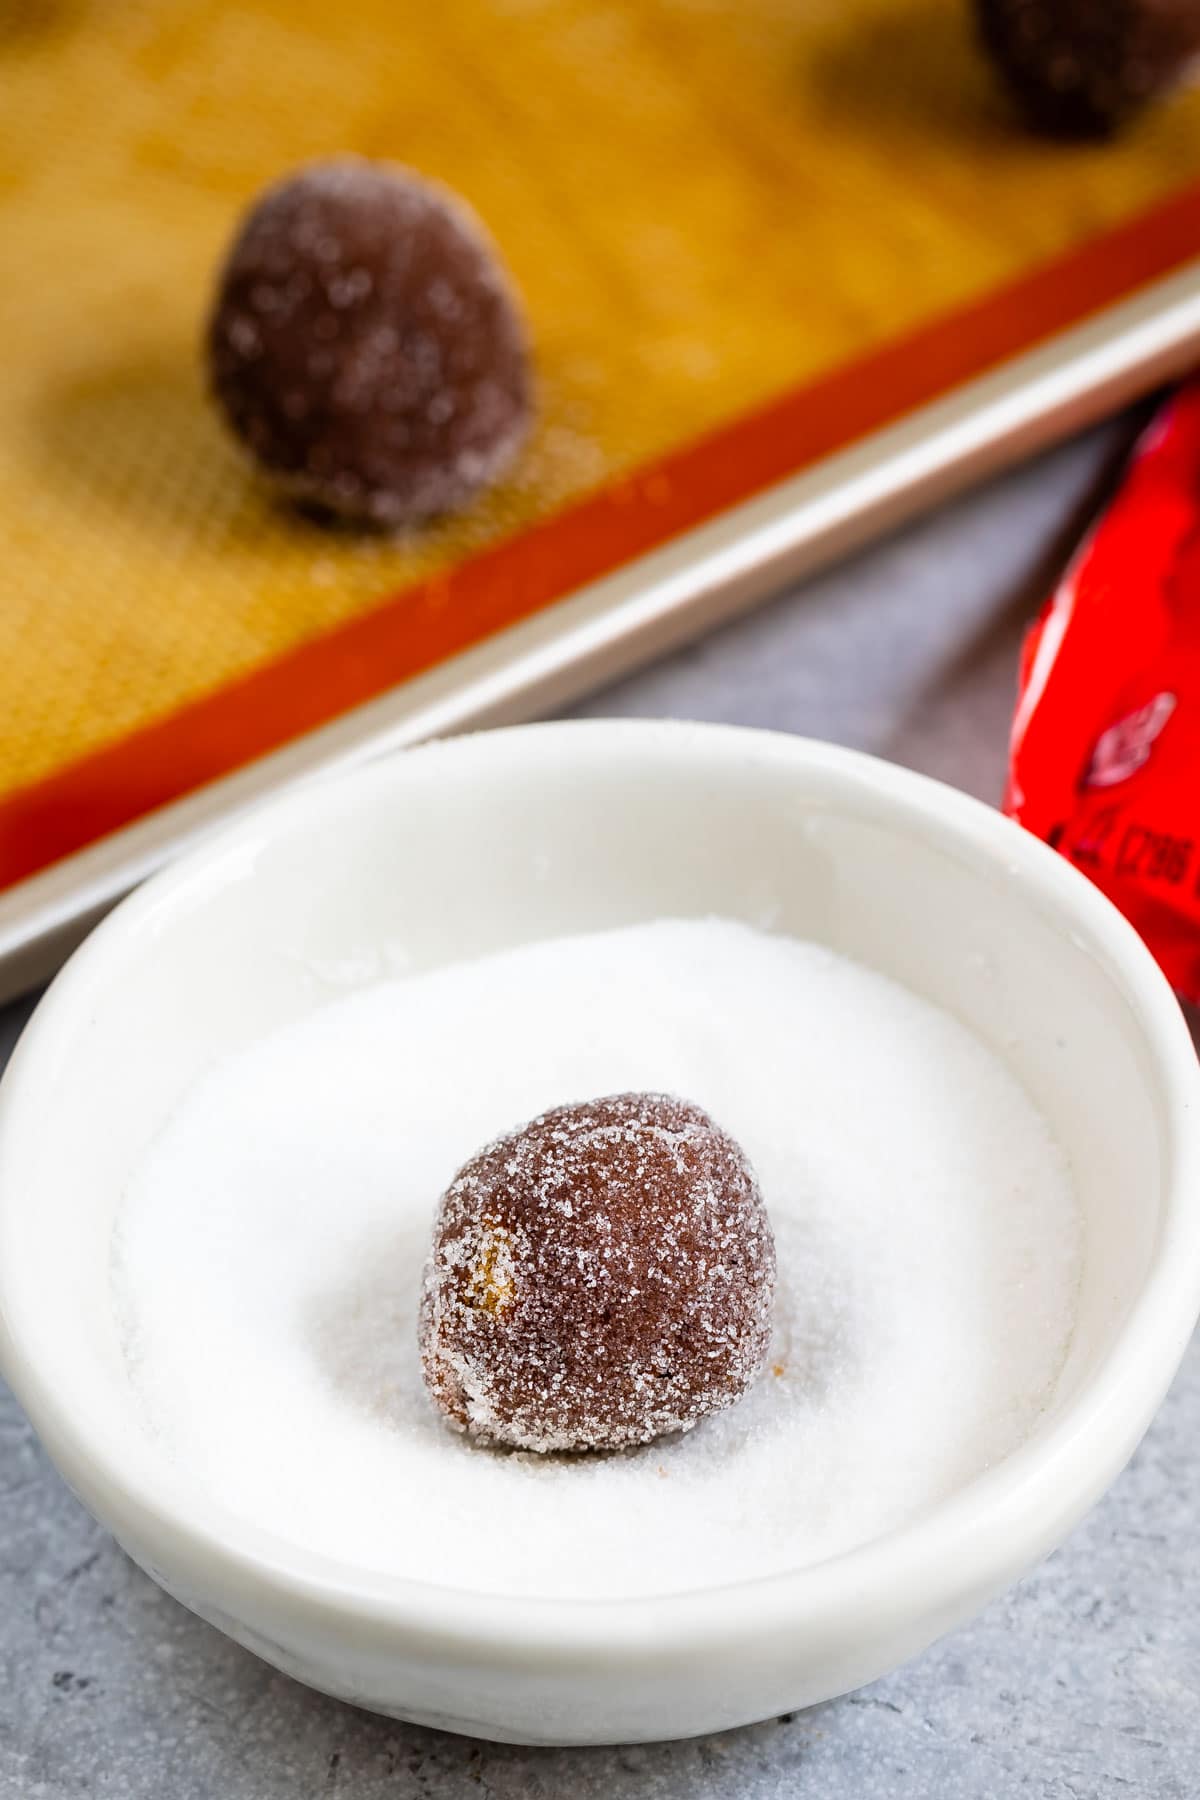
{"type": "Point", "coordinates": [747, 232]}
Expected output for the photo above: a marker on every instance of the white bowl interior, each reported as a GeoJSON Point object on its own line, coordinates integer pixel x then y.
{"type": "Point", "coordinates": [452, 852]}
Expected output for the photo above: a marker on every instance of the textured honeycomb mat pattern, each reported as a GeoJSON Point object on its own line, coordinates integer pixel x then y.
{"type": "Point", "coordinates": [704, 202]}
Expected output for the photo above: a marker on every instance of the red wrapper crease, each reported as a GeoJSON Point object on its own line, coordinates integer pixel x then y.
{"type": "Point", "coordinates": [1105, 753]}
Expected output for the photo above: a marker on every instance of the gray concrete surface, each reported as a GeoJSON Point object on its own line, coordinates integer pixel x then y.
{"type": "Point", "coordinates": [1082, 1684]}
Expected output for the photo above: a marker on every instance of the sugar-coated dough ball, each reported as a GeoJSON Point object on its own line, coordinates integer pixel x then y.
{"type": "Point", "coordinates": [1081, 68]}
{"type": "Point", "coordinates": [366, 345]}
{"type": "Point", "coordinates": [599, 1277]}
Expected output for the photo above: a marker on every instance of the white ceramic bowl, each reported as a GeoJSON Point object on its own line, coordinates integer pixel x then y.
{"type": "Point", "coordinates": [462, 847]}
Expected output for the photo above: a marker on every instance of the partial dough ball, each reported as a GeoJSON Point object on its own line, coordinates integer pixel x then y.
{"type": "Point", "coordinates": [1082, 68]}
{"type": "Point", "coordinates": [598, 1278]}
{"type": "Point", "coordinates": [366, 345]}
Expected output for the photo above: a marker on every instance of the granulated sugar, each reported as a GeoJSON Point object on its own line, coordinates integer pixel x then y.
{"type": "Point", "coordinates": [268, 1258]}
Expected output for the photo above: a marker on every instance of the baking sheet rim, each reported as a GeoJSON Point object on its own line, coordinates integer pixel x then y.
{"type": "Point", "coordinates": [657, 601]}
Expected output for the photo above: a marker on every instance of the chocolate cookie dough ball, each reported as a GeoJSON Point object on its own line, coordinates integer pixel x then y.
{"type": "Point", "coordinates": [599, 1277]}
{"type": "Point", "coordinates": [366, 346]}
{"type": "Point", "coordinates": [1081, 68]}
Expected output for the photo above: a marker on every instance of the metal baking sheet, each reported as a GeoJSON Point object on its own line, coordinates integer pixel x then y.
{"type": "Point", "coordinates": [792, 273]}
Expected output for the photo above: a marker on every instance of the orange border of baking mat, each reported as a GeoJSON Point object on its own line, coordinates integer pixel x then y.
{"type": "Point", "coordinates": [425, 624]}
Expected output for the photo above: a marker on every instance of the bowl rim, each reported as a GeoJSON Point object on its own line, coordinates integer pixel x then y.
{"type": "Point", "coordinates": [971, 1539]}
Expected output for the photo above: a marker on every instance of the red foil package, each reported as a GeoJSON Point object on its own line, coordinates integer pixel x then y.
{"type": "Point", "coordinates": [1105, 755]}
